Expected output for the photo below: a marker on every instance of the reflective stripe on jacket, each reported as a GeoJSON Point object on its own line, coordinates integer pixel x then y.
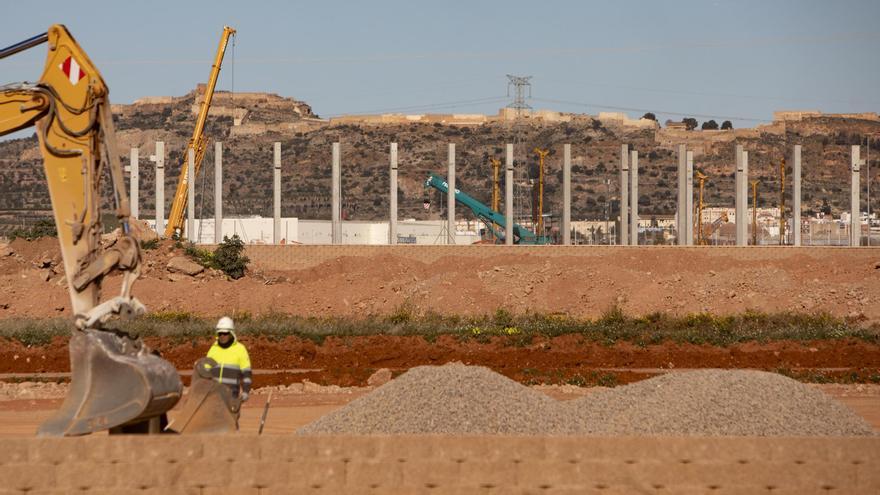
{"type": "Point", "coordinates": [233, 366]}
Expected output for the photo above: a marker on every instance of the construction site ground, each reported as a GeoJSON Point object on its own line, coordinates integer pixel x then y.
{"type": "Point", "coordinates": [308, 379]}
{"type": "Point", "coordinates": [294, 408]}
{"type": "Point", "coordinates": [582, 281]}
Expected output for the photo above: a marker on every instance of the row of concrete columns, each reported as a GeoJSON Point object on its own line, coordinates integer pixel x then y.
{"type": "Point", "coordinates": [629, 197]}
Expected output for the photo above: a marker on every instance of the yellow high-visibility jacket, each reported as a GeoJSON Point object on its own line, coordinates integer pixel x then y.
{"type": "Point", "coordinates": [234, 366]}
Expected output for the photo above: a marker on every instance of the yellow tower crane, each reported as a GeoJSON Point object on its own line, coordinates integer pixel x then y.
{"type": "Point", "coordinates": [702, 178]}
{"type": "Point", "coordinates": [541, 155]}
{"type": "Point", "coordinates": [782, 202]}
{"type": "Point", "coordinates": [197, 143]}
{"type": "Point", "coordinates": [755, 212]}
{"type": "Point", "coordinates": [496, 187]}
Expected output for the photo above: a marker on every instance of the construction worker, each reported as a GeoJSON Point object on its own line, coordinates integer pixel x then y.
{"type": "Point", "coordinates": [233, 364]}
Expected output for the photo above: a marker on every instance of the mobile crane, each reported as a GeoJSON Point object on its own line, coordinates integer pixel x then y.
{"type": "Point", "coordinates": [488, 216]}
{"type": "Point", "coordinates": [117, 382]}
{"type": "Point", "coordinates": [197, 142]}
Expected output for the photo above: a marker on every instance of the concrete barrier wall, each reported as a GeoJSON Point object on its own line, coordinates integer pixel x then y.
{"type": "Point", "coordinates": [298, 257]}
{"type": "Point", "coordinates": [241, 464]}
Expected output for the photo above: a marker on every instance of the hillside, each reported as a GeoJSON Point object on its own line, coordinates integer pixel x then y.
{"type": "Point", "coordinates": [306, 150]}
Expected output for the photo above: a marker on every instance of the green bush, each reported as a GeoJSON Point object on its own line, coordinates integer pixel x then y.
{"type": "Point", "coordinates": [229, 257]}
{"type": "Point", "coordinates": [150, 245]}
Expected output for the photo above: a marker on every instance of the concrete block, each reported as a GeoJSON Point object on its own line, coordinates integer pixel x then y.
{"type": "Point", "coordinates": [433, 474]}
{"type": "Point", "coordinates": [362, 474]}
{"type": "Point", "coordinates": [487, 474]}
{"type": "Point", "coordinates": [258, 474]}
{"type": "Point", "coordinates": [110, 449]}
{"type": "Point", "coordinates": [168, 448]}
{"type": "Point", "coordinates": [868, 476]}
{"type": "Point", "coordinates": [545, 475]}
{"type": "Point", "coordinates": [205, 473]}
{"type": "Point", "coordinates": [15, 450]}
{"type": "Point", "coordinates": [139, 475]}
{"type": "Point", "coordinates": [347, 448]}
{"type": "Point", "coordinates": [235, 448]}
{"type": "Point", "coordinates": [85, 475]}
{"type": "Point", "coordinates": [488, 448]}
{"type": "Point", "coordinates": [214, 490]}
{"type": "Point", "coordinates": [404, 447]}
{"type": "Point", "coordinates": [287, 448]}
{"type": "Point", "coordinates": [28, 477]}
{"type": "Point", "coordinates": [851, 450]}
{"type": "Point", "coordinates": [326, 475]}
{"type": "Point", "coordinates": [55, 450]}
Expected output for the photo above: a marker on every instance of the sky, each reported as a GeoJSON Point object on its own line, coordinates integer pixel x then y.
{"type": "Point", "coordinates": [726, 60]}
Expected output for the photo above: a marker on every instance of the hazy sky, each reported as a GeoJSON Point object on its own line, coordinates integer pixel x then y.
{"type": "Point", "coordinates": [737, 60]}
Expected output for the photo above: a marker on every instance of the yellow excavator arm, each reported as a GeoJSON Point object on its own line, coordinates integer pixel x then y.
{"type": "Point", "coordinates": [116, 380]}
{"type": "Point", "coordinates": [197, 143]}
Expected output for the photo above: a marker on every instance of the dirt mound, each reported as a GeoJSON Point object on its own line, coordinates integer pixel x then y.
{"type": "Point", "coordinates": [460, 400]}
{"type": "Point", "coordinates": [716, 402]}
{"type": "Point", "coordinates": [453, 399]}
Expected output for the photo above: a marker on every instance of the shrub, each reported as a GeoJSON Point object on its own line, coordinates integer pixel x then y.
{"type": "Point", "coordinates": [150, 245]}
{"type": "Point", "coordinates": [229, 257]}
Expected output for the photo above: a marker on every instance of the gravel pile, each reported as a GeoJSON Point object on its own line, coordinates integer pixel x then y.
{"type": "Point", "coordinates": [716, 402]}
{"type": "Point", "coordinates": [459, 400]}
{"type": "Point", "coordinates": [453, 399]}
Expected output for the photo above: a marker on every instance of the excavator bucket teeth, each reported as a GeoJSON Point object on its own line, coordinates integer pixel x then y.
{"type": "Point", "coordinates": [209, 407]}
{"type": "Point", "coordinates": [115, 381]}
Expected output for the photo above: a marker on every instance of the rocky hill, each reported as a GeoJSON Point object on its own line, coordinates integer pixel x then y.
{"type": "Point", "coordinates": [249, 124]}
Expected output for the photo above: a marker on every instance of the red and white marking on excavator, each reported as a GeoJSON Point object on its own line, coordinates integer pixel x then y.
{"type": "Point", "coordinates": [71, 69]}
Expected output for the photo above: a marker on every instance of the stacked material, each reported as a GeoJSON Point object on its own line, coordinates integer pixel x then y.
{"type": "Point", "coordinates": [466, 400]}
{"type": "Point", "coordinates": [716, 402]}
{"type": "Point", "coordinates": [453, 399]}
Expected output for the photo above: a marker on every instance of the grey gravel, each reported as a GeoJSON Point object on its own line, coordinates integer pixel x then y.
{"type": "Point", "coordinates": [449, 399]}
{"type": "Point", "coordinates": [460, 400]}
{"type": "Point", "coordinates": [716, 402]}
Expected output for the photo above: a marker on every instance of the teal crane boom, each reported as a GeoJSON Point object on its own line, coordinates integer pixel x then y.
{"type": "Point", "coordinates": [488, 216]}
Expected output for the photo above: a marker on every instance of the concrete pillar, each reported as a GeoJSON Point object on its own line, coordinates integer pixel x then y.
{"type": "Point", "coordinates": [336, 199]}
{"type": "Point", "coordinates": [681, 223]}
{"type": "Point", "coordinates": [624, 195]}
{"type": "Point", "coordinates": [450, 197]}
{"type": "Point", "coordinates": [392, 214]}
{"type": "Point", "coordinates": [855, 227]}
{"type": "Point", "coordinates": [191, 233]}
{"type": "Point", "coordinates": [634, 198]}
{"type": "Point", "coordinates": [741, 198]}
{"type": "Point", "coordinates": [218, 192]}
{"type": "Point", "coordinates": [276, 194]}
{"type": "Point", "coordinates": [689, 198]}
{"type": "Point", "coordinates": [508, 196]}
{"type": "Point", "coordinates": [566, 194]}
{"type": "Point", "coordinates": [796, 195]}
{"type": "Point", "coordinates": [159, 158]}
{"type": "Point", "coordinates": [134, 188]}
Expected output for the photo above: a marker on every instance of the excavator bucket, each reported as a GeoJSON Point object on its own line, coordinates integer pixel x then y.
{"type": "Point", "coordinates": [209, 407]}
{"type": "Point", "coordinates": [116, 381]}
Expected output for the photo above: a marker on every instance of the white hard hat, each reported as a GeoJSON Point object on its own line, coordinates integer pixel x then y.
{"type": "Point", "coordinates": [225, 325]}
